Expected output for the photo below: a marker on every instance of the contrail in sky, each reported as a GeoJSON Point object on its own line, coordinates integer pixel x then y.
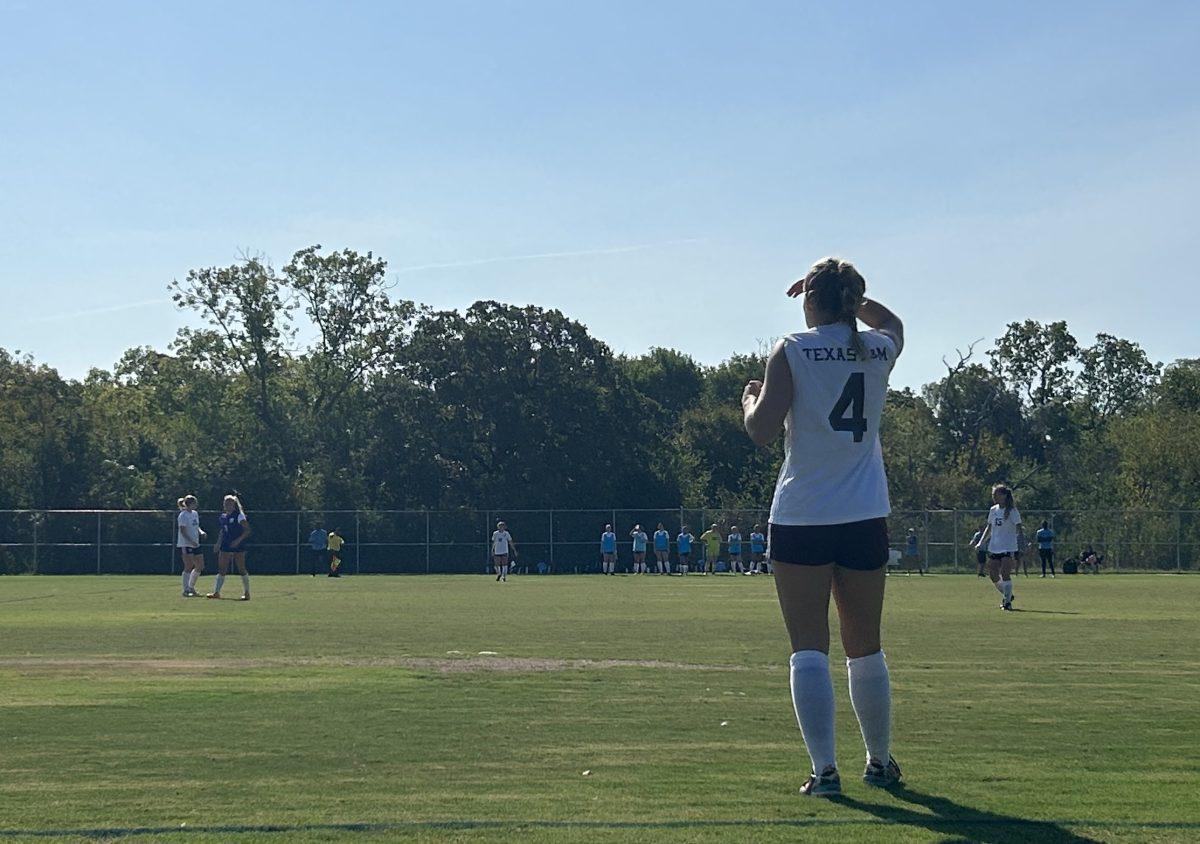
{"type": "Point", "coordinates": [538, 256]}
{"type": "Point", "coordinates": [110, 309]}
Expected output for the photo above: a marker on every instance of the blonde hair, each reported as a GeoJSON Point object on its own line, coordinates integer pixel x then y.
{"type": "Point", "coordinates": [179, 503]}
{"type": "Point", "coordinates": [839, 289]}
{"type": "Point", "coordinates": [236, 501]}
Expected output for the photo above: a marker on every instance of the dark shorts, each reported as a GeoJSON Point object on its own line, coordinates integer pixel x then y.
{"type": "Point", "coordinates": [862, 546]}
{"type": "Point", "coordinates": [1002, 556]}
{"type": "Point", "coordinates": [192, 552]}
{"type": "Point", "coordinates": [241, 549]}
{"type": "Point", "coordinates": [981, 556]}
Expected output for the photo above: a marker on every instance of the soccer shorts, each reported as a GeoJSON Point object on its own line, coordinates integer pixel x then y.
{"type": "Point", "coordinates": [862, 546]}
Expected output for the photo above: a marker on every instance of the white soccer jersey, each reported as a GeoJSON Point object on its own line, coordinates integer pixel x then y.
{"type": "Point", "coordinates": [189, 537]}
{"type": "Point", "coordinates": [500, 540]}
{"type": "Point", "coordinates": [833, 471]}
{"type": "Point", "coordinates": [1003, 536]}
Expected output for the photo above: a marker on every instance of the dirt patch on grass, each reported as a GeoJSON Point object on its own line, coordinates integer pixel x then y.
{"type": "Point", "coordinates": [443, 665]}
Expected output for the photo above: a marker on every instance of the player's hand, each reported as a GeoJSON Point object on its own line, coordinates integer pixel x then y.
{"type": "Point", "coordinates": [797, 289]}
{"type": "Point", "coordinates": [753, 390]}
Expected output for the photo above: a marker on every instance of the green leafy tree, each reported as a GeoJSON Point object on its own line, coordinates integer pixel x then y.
{"type": "Point", "coordinates": [1035, 360]}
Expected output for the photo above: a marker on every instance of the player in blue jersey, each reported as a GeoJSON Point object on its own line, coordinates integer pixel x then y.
{"type": "Point", "coordinates": [1045, 541]}
{"type": "Point", "coordinates": [639, 549]}
{"type": "Point", "coordinates": [734, 542]}
{"type": "Point", "coordinates": [662, 549]}
{"type": "Point", "coordinates": [231, 547]}
{"type": "Point", "coordinates": [608, 550]}
{"type": "Point", "coordinates": [758, 549]}
{"type": "Point", "coordinates": [683, 543]}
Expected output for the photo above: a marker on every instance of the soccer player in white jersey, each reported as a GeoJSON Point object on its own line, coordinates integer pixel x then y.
{"type": "Point", "coordinates": [825, 388]}
{"type": "Point", "coordinates": [662, 549]}
{"type": "Point", "coordinates": [188, 539]}
{"type": "Point", "coordinates": [1003, 536]}
{"type": "Point", "coordinates": [639, 549]}
{"type": "Point", "coordinates": [503, 546]}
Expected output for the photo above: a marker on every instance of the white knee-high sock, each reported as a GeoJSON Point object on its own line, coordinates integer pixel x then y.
{"type": "Point", "coordinates": [504, 571]}
{"type": "Point", "coordinates": [219, 583]}
{"type": "Point", "coordinates": [871, 696]}
{"type": "Point", "coordinates": [1007, 584]}
{"type": "Point", "coordinates": [999, 584]}
{"type": "Point", "coordinates": [186, 575]}
{"type": "Point", "coordinates": [245, 584]}
{"type": "Point", "coordinates": [812, 697]}
{"type": "Point", "coordinates": [192, 579]}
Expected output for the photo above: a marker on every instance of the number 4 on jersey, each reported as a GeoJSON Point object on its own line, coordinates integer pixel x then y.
{"type": "Point", "coordinates": [852, 398]}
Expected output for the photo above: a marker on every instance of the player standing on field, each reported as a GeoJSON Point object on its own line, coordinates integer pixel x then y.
{"type": "Point", "coordinates": [683, 542]}
{"type": "Point", "coordinates": [980, 552]}
{"type": "Point", "coordinates": [231, 547]}
{"type": "Point", "coordinates": [662, 549]}
{"type": "Point", "coordinates": [608, 551]}
{"type": "Point", "coordinates": [711, 539]}
{"type": "Point", "coordinates": [734, 541]}
{"type": "Point", "coordinates": [318, 540]}
{"type": "Point", "coordinates": [1045, 541]}
{"type": "Point", "coordinates": [758, 547]}
{"type": "Point", "coordinates": [335, 543]}
{"type": "Point", "coordinates": [825, 387]}
{"type": "Point", "coordinates": [639, 549]}
{"type": "Point", "coordinates": [502, 546]}
{"type": "Point", "coordinates": [189, 537]}
{"type": "Point", "coordinates": [1003, 536]}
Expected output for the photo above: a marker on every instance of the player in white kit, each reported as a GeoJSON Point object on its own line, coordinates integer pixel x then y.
{"type": "Point", "coordinates": [1002, 533]}
{"type": "Point", "coordinates": [188, 538]}
{"type": "Point", "coordinates": [825, 388]}
{"type": "Point", "coordinates": [503, 546]}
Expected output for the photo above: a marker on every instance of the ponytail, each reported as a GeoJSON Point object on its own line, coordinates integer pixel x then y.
{"type": "Point", "coordinates": [839, 288]}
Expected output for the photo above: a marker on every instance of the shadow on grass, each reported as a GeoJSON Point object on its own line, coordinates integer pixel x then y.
{"type": "Point", "coordinates": [1047, 612]}
{"type": "Point", "coordinates": [963, 822]}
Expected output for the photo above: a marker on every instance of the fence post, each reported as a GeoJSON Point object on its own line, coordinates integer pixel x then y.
{"type": "Point", "coordinates": [98, 543]}
{"type": "Point", "coordinates": [1178, 541]}
{"type": "Point", "coordinates": [954, 515]}
{"type": "Point", "coordinates": [171, 548]}
{"type": "Point", "coordinates": [357, 545]}
{"type": "Point", "coordinates": [427, 542]}
{"type": "Point", "coordinates": [551, 540]}
{"type": "Point", "coordinates": [298, 542]}
{"type": "Point", "coordinates": [925, 528]}
{"type": "Point", "coordinates": [35, 543]}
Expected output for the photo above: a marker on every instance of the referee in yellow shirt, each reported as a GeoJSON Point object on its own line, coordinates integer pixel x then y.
{"type": "Point", "coordinates": [335, 544]}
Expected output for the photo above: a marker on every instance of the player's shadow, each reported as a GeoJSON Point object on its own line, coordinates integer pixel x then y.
{"type": "Point", "coordinates": [962, 823]}
{"type": "Point", "coordinates": [1046, 612]}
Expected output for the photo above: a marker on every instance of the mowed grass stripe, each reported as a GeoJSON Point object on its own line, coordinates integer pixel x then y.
{"type": "Point", "coordinates": [322, 708]}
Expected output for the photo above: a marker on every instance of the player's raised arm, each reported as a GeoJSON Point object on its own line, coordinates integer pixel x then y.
{"type": "Point", "coordinates": [765, 403]}
{"type": "Point", "coordinates": [877, 316]}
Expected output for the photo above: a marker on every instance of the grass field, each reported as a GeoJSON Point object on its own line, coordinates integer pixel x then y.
{"type": "Point", "coordinates": [363, 709]}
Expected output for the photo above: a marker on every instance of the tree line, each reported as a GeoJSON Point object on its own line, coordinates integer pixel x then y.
{"type": "Point", "coordinates": [385, 403]}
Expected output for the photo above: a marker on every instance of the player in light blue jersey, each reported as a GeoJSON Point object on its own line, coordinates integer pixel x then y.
{"type": "Point", "coordinates": [683, 543]}
{"type": "Point", "coordinates": [608, 551]}
{"type": "Point", "coordinates": [758, 549]}
{"type": "Point", "coordinates": [639, 549]}
{"type": "Point", "coordinates": [662, 549]}
{"type": "Point", "coordinates": [734, 542]}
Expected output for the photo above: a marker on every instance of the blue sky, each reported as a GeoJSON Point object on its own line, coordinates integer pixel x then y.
{"type": "Point", "coordinates": [981, 163]}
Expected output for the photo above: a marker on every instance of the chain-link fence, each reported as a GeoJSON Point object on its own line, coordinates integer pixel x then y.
{"type": "Point", "coordinates": [553, 541]}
